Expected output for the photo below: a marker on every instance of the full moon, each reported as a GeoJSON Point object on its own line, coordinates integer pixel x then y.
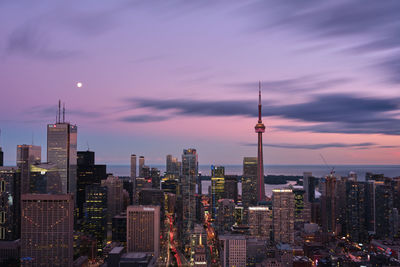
{"type": "Point", "coordinates": [79, 84]}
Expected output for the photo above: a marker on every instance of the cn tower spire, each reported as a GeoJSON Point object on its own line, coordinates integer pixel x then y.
{"type": "Point", "coordinates": [260, 129]}
{"type": "Point", "coordinates": [259, 102]}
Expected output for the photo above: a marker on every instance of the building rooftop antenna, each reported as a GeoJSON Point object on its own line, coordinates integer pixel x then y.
{"type": "Point", "coordinates": [64, 112]}
{"type": "Point", "coordinates": [59, 111]}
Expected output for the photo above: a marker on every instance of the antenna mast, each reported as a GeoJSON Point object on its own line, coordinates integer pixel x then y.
{"type": "Point", "coordinates": [63, 112]}
{"type": "Point", "coordinates": [59, 111]}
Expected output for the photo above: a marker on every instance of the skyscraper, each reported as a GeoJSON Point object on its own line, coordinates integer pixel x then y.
{"type": "Point", "coordinates": [26, 156]}
{"type": "Point", "coordinates": [62, 151]}
{"type": "Point", "coordinates": [188, 184]}
{"type": "Point", "coordinates": [260, 222]}
{"type": "Point", "coordinates": [143, 229]}
{"type": "Point", "coordinates": [133, 167]}
{"type": "Point", "coordinates": [141, 165]}
{"type": "Point", "coordinates": [283, 215]}
{"type": "Point", "coordinates": [95, 214]}
{"type": "Point", "coordinates": [328, 204]}
{"type": "Point", "coordinates": [309, 186]}
{"type": "Point", "coordinates": [249, 180]}
{"type": "Point", "coordinates": [233, 250]}
{"type": "Point", "coordinates": [114, 196]}
{"type": "Point", "coordinates": [217, 187]}
{"type": "Point", "coordinates": [260, 129]}
{"type": "Point", "coordinates": [10, 214]}
{"type": "Point", "coordinates": [231, 187]}
{"type": "Point", "coordinates": [225, 216]}
{"type": "Point", "coordinates": [88, 173]}
{"type": "Point", "coordinates": [47, 230]}
{"type": "Point", "coordinates": [1, 157]}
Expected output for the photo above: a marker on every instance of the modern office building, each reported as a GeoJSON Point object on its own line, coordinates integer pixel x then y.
{"type": "Point", "coordinates": [95, 214]}
{"type": "Point", "coordinates": [225, 218]}
{"type": "Point", "coordinates": [249, 182]}
{"type": "Point", "coordinates": [26, 156]}
{"type": "Point", "coordinates": [62, 151]}
{"type": "Point", "coordinates": [115, 198]}
{"type": "Point", "coordinates": [119, 228]}
{"type": "Point", "coordinates": [260, 222]}
{"type": "Point", "coordinates": [44, 179]}
{"type": "Point", "coordinates": [233, 250]}
{"type": "Point", "coordinates": [152, 197]}
{"type": "Point", "coordinates": [260, 129]}
{"type": "Point", "coordinates": [88, 173]}
{"type": "Point", "coordinates": [141, 165]}
{"type": "Point", "coordinates": [309, 186]}
{"type": "Point", "coordinates": [231, 187]}
{"type": "Point", "coordinates": [302, 207]}
{"type": "Point", "coordinates": [10, 186]}
{"type": "Point", "coordinates": [217, 187]}
{"type": "Point", "coordinates": [173, 167]}
{"type": "Point", "coordinates": [47, 230]}
{"type": "Point", "coordinates": [155, 178]}
{"type": "Point", "coordinates": [283, 215]}
{"type": "Point", "coordinates": [143, 229]}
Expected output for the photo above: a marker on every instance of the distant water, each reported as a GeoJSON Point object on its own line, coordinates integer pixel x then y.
{"type": "Point", "coordinates": [317, 170]}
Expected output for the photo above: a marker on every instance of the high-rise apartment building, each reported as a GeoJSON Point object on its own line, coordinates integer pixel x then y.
{"type": "Point", "coordinates": [62, 151]}
{"type": "Point", "coordinates": [141, 165]}
{"type": "Point", "coordinates": [155, 178]}
{"type": "Point", "coordinates": [233, 250]}
{"type": "Point", "coordinates": [173, 167]}
{"type": "Point", "coordinates": [217, 187]}
{"type": "Point", "coordinates": [10, 186]}
{"type": "Point", "coordinates": [143, 229]}
{"type": "Point", "coordinates": [26, 156]}
{"type": "Point", "coordinates": [188, 190]}
{"type": "Point", "coordinates": [47, 230]}
{"type": "Point", "coordinates": [383, 210]}
{"type": "Point", "coordinates": [226, 215]}
{"type": "Point", "coordinates": [355, 225]}
{"type": "Point", "coordinates": [260, 222]}
{"type": "Point", "coordinates": [328, 204]}
{"type": "Point", "coordinates": [283, 215]}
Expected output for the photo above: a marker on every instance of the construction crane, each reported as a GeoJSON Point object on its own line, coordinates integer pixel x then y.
{"type": "Point", "coordinates": [329, 167]}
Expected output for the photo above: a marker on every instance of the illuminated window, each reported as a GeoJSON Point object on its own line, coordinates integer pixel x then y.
{"type": "Point", "coordinates": [2, 233]}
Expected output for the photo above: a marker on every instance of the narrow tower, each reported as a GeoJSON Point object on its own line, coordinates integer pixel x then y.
{"type": "Point", "coordinates": [260, 129]}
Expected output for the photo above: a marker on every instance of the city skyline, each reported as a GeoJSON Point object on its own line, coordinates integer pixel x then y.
{"type": "Point", "coordinates": [328, 90]}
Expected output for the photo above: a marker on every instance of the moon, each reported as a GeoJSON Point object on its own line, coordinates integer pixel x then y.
{"type": "Point", "coordinates": [79, 84]}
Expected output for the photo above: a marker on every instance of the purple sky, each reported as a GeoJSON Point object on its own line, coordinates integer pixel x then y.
{"type": "Point", "coordinates": [160, 76]}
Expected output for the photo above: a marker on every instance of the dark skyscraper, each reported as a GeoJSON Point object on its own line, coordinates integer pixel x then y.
{"type": "Point", "coordinates": [26, 156]}
{"type": "Point", "coordinates": [87, 174]}
{"type": "Point", "coordinates": [260, 129]}
{"type": "Point", "coordinates": [1, 157]}
{"type": "Point", "coordinates": [249, 179]}
{"type": "Point", "coordinates": [10, 197]}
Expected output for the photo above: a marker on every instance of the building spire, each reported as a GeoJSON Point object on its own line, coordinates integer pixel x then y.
{"type": "Point", "coordinates": [259, 102]}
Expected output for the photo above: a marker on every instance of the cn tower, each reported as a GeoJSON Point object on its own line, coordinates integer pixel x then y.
{"type": "Point", "coordinates": [260, 129]}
